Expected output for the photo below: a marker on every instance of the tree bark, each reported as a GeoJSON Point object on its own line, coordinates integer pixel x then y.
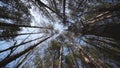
{"type": "Point", "coordinates": [86, 58]}
{"type": "Point", "coordinates": [64, 16]}
{"type": "Point", "coordinates": [60, 58]}
{"type": "Point", "coordinates": [22, 60]}
{"type": "Point", "coordinates": [15, 25]}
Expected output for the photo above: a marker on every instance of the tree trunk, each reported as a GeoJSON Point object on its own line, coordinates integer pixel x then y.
{"type": "Point", "coordinates": [74, 59]}
{"type": "Point", "coordinates": [14, 57]}
{"type": "Point", "coordinates": [53, 62]}
{"type": "Point", "coordinates": [12, 35]}
{"type": "Point", "coordinates": [60, 58]}
{"type": "Point", "coordinates": [15, 25]}
{"type": "Point", "coordinates": [44, 5]}
{"type": "Point", "coordinates": [22, 60]}
{"type": "Point", "coordinates": [86, 58]}
{"type": "Point", "coordinates": [64, 16]}
{"type": "Point", "coordinates": [22, 43]}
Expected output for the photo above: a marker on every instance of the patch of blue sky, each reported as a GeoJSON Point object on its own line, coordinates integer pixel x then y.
{"type": "Point", "coordinates": [59, 27]}
{"type": "Point", "coordinates": [5, 44]}
{"type": "Point", "coordinates": [79, 63]}
{"type": "Point", "coordinates": [65, 51]}
{"type": "Point", "coordinates": [6, 20]}
{"type": "Point", "coordinates": [2, 4]}
{"type": "Point", "coordinates": [3, 55]}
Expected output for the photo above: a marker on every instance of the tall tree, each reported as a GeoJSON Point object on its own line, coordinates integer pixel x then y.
{"type": "Point", "coordinates": [14, 12]}
{"type": "Point", "coordinates": [91, 39]}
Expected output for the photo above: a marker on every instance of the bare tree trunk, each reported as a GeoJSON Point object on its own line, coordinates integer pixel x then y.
{"type": "Point", "coordinates": [64, 16]}
{"type": "Point", "coordinates": [15, 25]}
{"type": "Point", "coordinates": [60, 58]}
{"type": "Point", "coordinates": [86, 58]}
{"type": "Point", "coordinates": [54, 2]}
{"type": "Point", "coordinates": [12, 35]}
{"type": "Point", "coordinates": [107, 16]}
{"type": "Point", "coordinates": [80, 3]}
{"type": "Point", "coordinates": [22, 60]}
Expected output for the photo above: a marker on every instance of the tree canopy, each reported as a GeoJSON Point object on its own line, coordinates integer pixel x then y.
{"type": "Point", "coordinates": [89, 35]}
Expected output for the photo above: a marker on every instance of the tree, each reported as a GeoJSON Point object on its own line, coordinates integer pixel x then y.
{"type": "Point", "coordinates": [91, 39]}
{"type": "Point", "coordinates": [15, 12]}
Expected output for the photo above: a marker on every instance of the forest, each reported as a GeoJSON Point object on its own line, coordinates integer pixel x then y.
{"type": "Point", "coordinates": [59, 33]}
